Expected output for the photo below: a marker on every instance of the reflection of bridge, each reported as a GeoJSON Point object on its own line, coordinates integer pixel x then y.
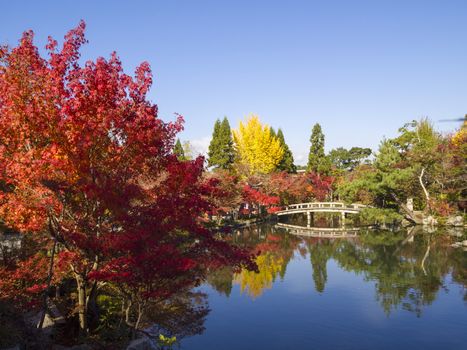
{"type": "Point", "coordinates": [323, 232]}
{"type": "Point", "coordinates": [321, 207]}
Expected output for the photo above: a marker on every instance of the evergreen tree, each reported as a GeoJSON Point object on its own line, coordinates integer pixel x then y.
{"type": "Point", "coordinates": [317, 160]}
{"type": "Point", "coordinates": [178, 150]}
{"type": "Point", "coordinates": [214, 146]}
{"type": "Point", "coordinates": [273, 132]}
{"type": "Point", "coordinates": [228, 150]}
{"type": "Point", "coordinates": [348, 160]}
{"type": "Point", "coordinates": [287, 161]}
{"type": "Point", "coordinates": [221, 150]}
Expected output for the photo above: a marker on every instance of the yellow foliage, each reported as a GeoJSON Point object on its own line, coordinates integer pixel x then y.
{"type": "Point", "coordinates": [257, 148]}
{"type": "Point", "coordinates": [269, 267]}
{"type": "Point", "coordinates": [460, 138]}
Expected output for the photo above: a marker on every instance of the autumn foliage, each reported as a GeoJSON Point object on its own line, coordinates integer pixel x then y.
{"type": "Point", "coordinates": [87, 170]}
{"type": "Point", "coordinates": [90, 176]}
{"type": "Point", "coordinates": [266, 194]}
{"type": "Point", "coordinates": [258, 150]}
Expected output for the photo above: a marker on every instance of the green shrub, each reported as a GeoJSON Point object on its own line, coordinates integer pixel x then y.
{"type": "Point", "coordinates": [370, 216]}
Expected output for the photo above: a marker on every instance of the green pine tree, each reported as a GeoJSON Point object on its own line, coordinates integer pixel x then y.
{"type": "Point", "coordinates": [348, 160]}
{"type": "Point", "coordinates": [221, 150]}
{"type": "Point", "coordinates": [214, 145]}
{"type": "Point", "coordinates": [178, 150]}
{"type": "Point", "coordinates": [287, 161]}
{"type": "Point", "coordinates": [272, 131]}
{"type": "Point", "coordinates": [318, 162]}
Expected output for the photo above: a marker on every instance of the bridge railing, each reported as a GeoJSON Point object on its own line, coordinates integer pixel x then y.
{"type": "Point", "coordinates": [324, 205]}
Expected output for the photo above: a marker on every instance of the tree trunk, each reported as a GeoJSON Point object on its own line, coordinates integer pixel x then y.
{"type": "Point", "coordinates": [49, 281]}
{"type": "Point", "coordinates": [410, 214]}
{"type": "Point", "coordinates": [427, 195]}
{"type": "Point", "coordinates": [92, 310]}
{"type": "Point", "coordinates": [127, 312]}
{"type": "Point", "coordinates": [81, 282]}
{"type": "Point", "coordinates": [138, 320]}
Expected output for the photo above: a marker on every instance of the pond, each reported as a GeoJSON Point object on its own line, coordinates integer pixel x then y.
{"type": "Point", "coordinates": [339, 290]}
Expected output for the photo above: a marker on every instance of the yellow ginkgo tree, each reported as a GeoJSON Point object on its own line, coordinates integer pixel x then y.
{"type": "Point", "coordinates": [258, 150]}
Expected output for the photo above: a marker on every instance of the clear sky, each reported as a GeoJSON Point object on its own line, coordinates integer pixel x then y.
{"type": "Point", "coordinates": [360, 68]}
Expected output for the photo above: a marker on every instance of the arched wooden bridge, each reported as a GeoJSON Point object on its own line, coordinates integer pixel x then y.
{"type": "Point", "coordinates": [322, 207]}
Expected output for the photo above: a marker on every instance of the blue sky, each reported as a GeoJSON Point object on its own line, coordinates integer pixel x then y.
{"type": "Point", "coordinates": [360, 68]}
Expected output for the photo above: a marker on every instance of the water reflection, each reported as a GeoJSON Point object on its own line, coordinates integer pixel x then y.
{"type": "Point", "coordinates": [324, 289]}
{"type": "Point", "coordinates": [321, 250]}
{"type": "Point", "coordinates": [274, 251]}
{"type": "Point", "coordinates": [408, 267]}
{"type": "Point", "coordinates": [182, 317]}
{"type": "Point", "coordinates": [326, 232]}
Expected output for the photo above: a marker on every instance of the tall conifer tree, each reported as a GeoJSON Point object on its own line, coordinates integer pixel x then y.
{"type": "Point", "coordinates": [214, 146]}
{"type": "Point", "coordinates": [287, 162]}
{"type": "Point", "coordinates": [317, 160]}
{"type": "Point", "coordinates": [178, 150]}
{"type": "Point", "coordinates": [273, 132]}
{"type": "Point", "coordinates": [221, 151]}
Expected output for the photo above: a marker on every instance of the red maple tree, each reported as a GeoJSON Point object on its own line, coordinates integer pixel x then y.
{"type": "Point", "coordinates": [87, 169]}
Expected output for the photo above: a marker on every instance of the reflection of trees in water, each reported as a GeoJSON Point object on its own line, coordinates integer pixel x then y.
{"type": "Point", "coordinates": [459, 269]}
{"type": "Point", "coordinates": [254, 283]}
{"type": "Point", "coordinates": [407, 267]}
{"type": "Point", "coordinates": [221, 280]}
{"type": "Point", "coordinates": [274, 250]}
{"type": "Point", "coordinates": [321, 250]}
{"type": "Point", "coordinates": [183, 316]}
{"type": "Point", "coordinates": [407, 274]}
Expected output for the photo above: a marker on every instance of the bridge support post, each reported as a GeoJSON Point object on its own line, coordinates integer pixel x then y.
{"type": "Point", "coordinates": [343, 219]}
{"type": "Point", "coordinates": [308, 219]}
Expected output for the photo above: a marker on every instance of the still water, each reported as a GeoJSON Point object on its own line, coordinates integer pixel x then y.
{"type": "Point", "coordinates": [362, 290]}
